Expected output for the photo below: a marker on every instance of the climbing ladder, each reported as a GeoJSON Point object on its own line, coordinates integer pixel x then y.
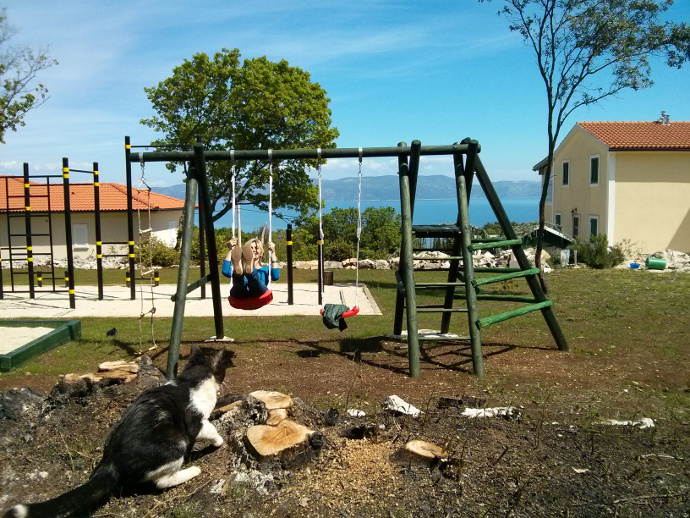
{"type": "Point", "coordinates": [462, 289]}
{"type": "Point", "coordinates": [28, 227]}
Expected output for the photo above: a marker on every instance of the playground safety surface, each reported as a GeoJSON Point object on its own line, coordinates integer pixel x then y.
{"type": "Point", "coordinates": [117, 302]}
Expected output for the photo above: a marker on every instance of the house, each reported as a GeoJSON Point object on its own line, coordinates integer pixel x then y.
{"type": "Point", "coordinates": [48, 218]}
{"type": "Point", "coordinates": [628, 180]}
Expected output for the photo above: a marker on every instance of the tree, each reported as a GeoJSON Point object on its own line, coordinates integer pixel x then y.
{"type": "Point", "coordinates": [587, 50]}
{"type": "Point", "coordinates": [256, 105]}
{"type": "Point", "coordinates": [18, 69]}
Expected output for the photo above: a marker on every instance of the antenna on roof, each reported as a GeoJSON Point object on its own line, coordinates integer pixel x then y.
{"type": "Point", "coordinates": [665, 118]}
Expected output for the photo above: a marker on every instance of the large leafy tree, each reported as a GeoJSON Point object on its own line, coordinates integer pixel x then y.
{"type": "Point", "coordinates": [255, 104]}
{"type": "Point", "coordinates": [18, 70]}
{"type": "Point", "coordinates": [588, 50]}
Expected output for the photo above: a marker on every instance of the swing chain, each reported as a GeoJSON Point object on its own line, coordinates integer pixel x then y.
{"type": "Point", "coordinates": [149, 239]}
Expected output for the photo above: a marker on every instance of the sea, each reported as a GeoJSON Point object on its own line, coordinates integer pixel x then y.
{"type": "Point", "coordinates": [426, 212]}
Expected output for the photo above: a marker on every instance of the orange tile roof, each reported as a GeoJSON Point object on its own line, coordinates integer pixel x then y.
{"type": "Point", "coordinates": [640, 136]}
{"type": "Point", "coordinates": [113, 197]}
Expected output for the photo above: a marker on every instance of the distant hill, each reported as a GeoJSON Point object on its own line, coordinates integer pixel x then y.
{"type": "Point", "coordinates": [384, 188]}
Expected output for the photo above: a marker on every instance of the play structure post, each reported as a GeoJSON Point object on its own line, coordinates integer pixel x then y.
{"type": "Point", "coordinates": [68, 234]}
{"type": "Point", "coordinates": [407, 262]}
{"type": "Point", "coordinates": [27, 222]}
{"type": "Point", "coordinates": [468, 267]}
{"type": "Point", "coordinates": [182, 276]}
{"type": "Point", "coordinates": [205, 213]}
{"type": "Point", "coordinates": [130, 221]}
{"type": "Point", "coordinates": [99, 242]}
{"type": "Point", "coordinates": [288, 236]}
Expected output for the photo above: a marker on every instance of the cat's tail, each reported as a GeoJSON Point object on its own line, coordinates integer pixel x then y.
{"type": "Point", "coordinates": [78, 502]}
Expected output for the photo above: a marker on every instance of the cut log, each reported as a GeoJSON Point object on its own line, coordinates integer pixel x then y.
{"type": "Point", "coordinates": [426, 449]}
{"type": "Point", "coordinates": [273, 400]}
{"type": "Point", "coordinates": [120, 365]}
{"type": "Point", "coordinates": [274, 440]}
{"type": "Point", "coordinates": [276, 415]}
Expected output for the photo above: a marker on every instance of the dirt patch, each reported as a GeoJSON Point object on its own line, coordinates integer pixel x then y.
{"type": "Point", "coordinates": [551, 456]}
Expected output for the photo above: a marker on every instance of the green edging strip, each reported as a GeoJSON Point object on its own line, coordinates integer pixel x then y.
{"type": "Point", "coordinates": [64, 331]}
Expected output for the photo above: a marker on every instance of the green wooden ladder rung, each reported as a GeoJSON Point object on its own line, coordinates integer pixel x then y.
{"type": "Point", "coordinates": [501, 297]}
{"type": "Point", "coordinates": [424, 309]}
{"type": "Point", "coordinates": [505, 277]}
{"type": "Point", "coordinates": [494, 319]}
{"type": "Point", "coordinates": [425, 231]}
{"type": "Point", "coordinates": [497, 269]}
{"type": "Point", "coordinates": [438, 284]}
{"type": "Point", "coordinates": [423, 338]}
{"type": "Point", "coordinates": [484, 245]}
{"type": "Point", "coordinates": [431, 258]}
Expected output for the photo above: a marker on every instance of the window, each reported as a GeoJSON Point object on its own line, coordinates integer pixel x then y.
{"type": "Point", "coordinates": [557, 220]}
{"type": "Point", "coordinates": [594, 170]}
{"type": "Point", "coordinates": [593, 226]}
{"type": "Point", "coordinates": [566, 173]}
{"type": "Point", "coordinates": [80, 236]}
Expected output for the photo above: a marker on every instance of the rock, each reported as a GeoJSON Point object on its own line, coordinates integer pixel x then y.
{"type": "Point", "coordinates": [397, 405]}
{"type": "Point", "coordinates": [15, 404]}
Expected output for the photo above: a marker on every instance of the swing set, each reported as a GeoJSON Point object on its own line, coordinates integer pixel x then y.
{"type": "Point", "coordinates": [463, 283]}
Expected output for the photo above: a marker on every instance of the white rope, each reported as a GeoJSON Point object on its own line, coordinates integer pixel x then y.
{"type": "Point", "coordinates": [359, 224]}
{"type": "Point", "coordinates": [149, 236]}
{"type": "Point", "coordinates": [270, 214]}
{"type": "Point", "coordinates": [318, 168]}
{"type": "Point", "coordinates": [234, 206]}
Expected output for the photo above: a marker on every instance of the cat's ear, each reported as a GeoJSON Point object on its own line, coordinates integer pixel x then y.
{"type": "Point", "coordinates": [223, 358]}
{"type": "Point", "coordinates": [195, 350]}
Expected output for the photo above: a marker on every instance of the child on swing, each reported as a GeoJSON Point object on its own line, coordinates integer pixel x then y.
{"type": "Point", "coordinates": [243, 265]}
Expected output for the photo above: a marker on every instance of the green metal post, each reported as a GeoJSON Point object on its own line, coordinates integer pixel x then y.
{"type": "Point", "coordinates": [407, 265]}
{"type": "Point", "coordinates": [182, 276]}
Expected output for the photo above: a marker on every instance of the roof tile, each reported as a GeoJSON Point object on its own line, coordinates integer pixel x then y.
{"type": "Point", "coordinates": [653, 136]}
{"type": "Point", "coordinates": [113, 197]}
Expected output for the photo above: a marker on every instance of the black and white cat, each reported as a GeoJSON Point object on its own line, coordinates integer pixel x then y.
{"type": "Point", "coordinates": [151, 442]}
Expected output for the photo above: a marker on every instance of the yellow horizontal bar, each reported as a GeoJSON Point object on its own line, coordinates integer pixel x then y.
{"type": "Point", "coordinates": [99, 256]}
{"type": "Point", "coordinates": [131, 243]}
{"type": "Point", "coordinates": [127, 146]}
{"type": "Point", "coordinates": [65, 175]}
{"type": "Point", "coordinates": [71, 292]}
{"type": "Point", "coordinates": [28, 209]}
{"type": "Point", "coordinates": [289, 243]}
{"type": "Point", "coordinates": [99, 243]}
{"type": "Point", "coordinates": [96, 184]}
{"type": "Point", "coordinates": [29, 248]}
{"type": "Point", "coordinates": [26, 185]}
{"type": "Point", "coordinates": [131, 255]}
{"type": "Point", "coordinates": [30, 259]}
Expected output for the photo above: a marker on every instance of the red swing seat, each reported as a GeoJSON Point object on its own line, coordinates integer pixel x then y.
{"type": "Point", "coordinates": [349, 313]}
{"type": "Point", "coordinates": [250, 303]}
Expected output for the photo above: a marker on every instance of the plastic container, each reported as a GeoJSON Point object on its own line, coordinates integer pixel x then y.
{"type": "Point", "coordinates": [634, 266]}
{"type": "Point", "coordinates": [654, 263]}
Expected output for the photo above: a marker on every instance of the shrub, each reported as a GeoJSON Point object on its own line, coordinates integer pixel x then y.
{"type": "Point", "coordinates": [596, 252]}
{"type": "Point", "coordinates": [157, 253]}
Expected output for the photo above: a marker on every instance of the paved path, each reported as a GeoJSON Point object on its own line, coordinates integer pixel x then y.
{"type": "Point", "coordinates": [117, 302]}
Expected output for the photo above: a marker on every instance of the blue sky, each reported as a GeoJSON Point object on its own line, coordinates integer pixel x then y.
{"type": "Point", "coordinates": [437, 71]}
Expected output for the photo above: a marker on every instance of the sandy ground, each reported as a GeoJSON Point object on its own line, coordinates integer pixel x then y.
{"type": "Point", "coordinates": [14, 337]}
{"type": "Point", "coordinates": [117, 302]}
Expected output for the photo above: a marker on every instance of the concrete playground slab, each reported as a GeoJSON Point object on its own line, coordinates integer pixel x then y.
{"type": "Point", "coordinates": [117, 302]}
